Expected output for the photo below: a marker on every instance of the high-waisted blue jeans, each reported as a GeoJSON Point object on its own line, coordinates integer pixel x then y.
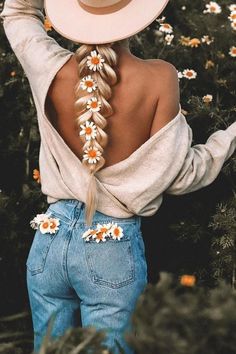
{"type": "Point", "coordinates": [66, 273]}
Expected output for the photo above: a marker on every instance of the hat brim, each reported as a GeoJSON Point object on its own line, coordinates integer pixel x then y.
{"type": "Point", "coordinates": [73, 22]}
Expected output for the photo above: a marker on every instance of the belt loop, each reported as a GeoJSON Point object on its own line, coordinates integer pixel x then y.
{"type": "Point", "coordinates": [139, 220]}
{"type": "Point", "coordinates": [76, 213]}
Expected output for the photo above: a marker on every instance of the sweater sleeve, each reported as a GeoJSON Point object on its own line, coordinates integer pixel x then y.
{"type": "Point", "coordinates": [203, 162]}
{"type": "Point", "coordinates": [39, 54]}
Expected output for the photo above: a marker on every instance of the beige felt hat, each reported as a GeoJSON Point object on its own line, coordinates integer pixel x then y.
{"type": "Point", "coordinates": [101, 21]}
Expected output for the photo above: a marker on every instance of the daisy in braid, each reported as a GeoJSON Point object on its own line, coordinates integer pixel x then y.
{"type": "Point", "coordinates": [95, 65]}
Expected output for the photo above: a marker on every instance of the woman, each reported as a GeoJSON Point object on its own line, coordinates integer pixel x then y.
{"type": "Point", "coordinates": [111, 145]}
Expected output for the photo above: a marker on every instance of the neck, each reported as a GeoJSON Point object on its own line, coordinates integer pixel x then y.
{"type": "Point", "coordinates": [121, 49]}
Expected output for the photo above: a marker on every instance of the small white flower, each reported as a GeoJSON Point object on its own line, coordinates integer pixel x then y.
{"type": "Point", "coordinates": [99, 236]}
{"type": "Point", "coordinates": [189, 74]}
{"type": "Point", "coordinates": [116, 232]}
{"type": "Point", "coordinates": [94, 105]}
{"type": "Point", "coordinates": [232, 7]}
{"type": "Point", "coordinates": [207, 98]}
{"type": "Point", "coordinates": [212, 8]}
{"type": "Point", "coordinates": [92, 154]}
{"type": "Point", "coordinates": [88, 234]}
{"type": "Point", "coordinates": [166, 27]}
{"type": "Point", "coordinates": [232, 51]}
{"type": "Point", "coordinates": [206, 39]}
{"type": "Point", "coordinates": [34, 225]}
{"type": "Point", "coordinates": [35, 222]}
{"type": "Point", "coordinates": [44, 226]}
{"type": "Point", "coordinates": [88, 83]}
{"type": "Point", "coordinates": [104, 232]}
{"type": "Point", "coordinates": [104, 228]}
{"type": "Point", "coordinates": [233, 25]}
{"type": "Point", "coordinates": [180, 74]}
{"type": "Point", "coordinates": [89, 130]}
{"type": "Point", "coordinates": [161, 20]}
{"type": "Point", "coordinates": [183, 8]}
{"type": "Point", "coordinates": [54, 223]}
{"type": "Point", "coordinates": [232, 16]}
{"type": "Point", "coordinates": [40, 217]}
{"type": "Point", "coordinates": [95, 61]}
{"type": "Point", "coordinates": [169, 38]}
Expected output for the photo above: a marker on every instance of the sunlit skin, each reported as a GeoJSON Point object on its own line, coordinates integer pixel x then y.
{"type": "Point", "coordinates": [141, 106]}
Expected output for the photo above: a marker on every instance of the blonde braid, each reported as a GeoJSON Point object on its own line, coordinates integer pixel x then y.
{"type": "Point", "coordinates": [93, 109]}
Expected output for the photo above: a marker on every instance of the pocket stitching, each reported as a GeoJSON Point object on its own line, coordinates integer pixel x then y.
{"type": "Point", "coordinates": [43, 260]}
{"type": "Point", "coordinates": [114, 285]}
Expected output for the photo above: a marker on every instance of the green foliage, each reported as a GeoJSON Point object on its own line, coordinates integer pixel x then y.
{"type": "Point", "coordinates": [176, 319]}
{"type": "Point", "coordinates": [224, 243]}
{"type": "Point", "coordinates": [169, 318]}
{"type": "Point", "coordinates": [199, 227]}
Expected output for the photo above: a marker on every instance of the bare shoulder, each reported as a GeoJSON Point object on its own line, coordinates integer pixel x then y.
{"type": "Point", "coordinates": [168, 100]}
{"type": "Point", "coordinates": [163, 69]}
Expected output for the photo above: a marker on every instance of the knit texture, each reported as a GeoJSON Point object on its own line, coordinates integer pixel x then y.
{"type": "Point", "coordinates": [166, 162]}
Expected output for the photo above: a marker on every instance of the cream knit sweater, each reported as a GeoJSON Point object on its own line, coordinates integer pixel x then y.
{"type": "Point", "coordinates": [164, 163]}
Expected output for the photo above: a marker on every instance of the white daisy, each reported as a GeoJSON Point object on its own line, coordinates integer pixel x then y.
{"type": "Point", "coordinates": [89, 130]}
{"type": "Point", "coordinates": [169, 38]}
{"type": "Point", "coordinates": [95, 61]}
{"type": "Point", "coordinates": [180, 75]}
{"type": "Point", "coordinates": [166, 27]}
{"type": "Point", "coordinates": [104, 228]}
{"type": "Point", "coordinates": [161, 20]}
{"type": "Point", "coordinates": [99, 236]}
{"type": "Point", "coordinates": [189, 74]}
{"type": "Point", "coordinates": [232, 7]}
{"type": "Point", "coordinates": [232, 16]}
{"type": "Point", "coordinates": [44, 226]}
{"type": "Point", "coordinates": [212, 8]}
{"type": "Point", "coordinates": [88, 234]}
{"type": "Point", "coordinates": [88, 83]}
{"type": "Point", "coordinates": [233, 25]}
{"type": "Point", "coordinates": [206, 39]}
{"type": "Point", "coordinates": [207, 98]}
{"type": "Point", "coordinates": [116, 232]}
{"type": "Point", "coordinates": [232, 51]}
{"type": "Point", "coordinates": [94, 104]}
{"type": "Point", "coordinates": [38, 219]}
{"type": "Point", "coordinates": [92, 154]}
{"type": "Point", "coordinates": [54, 223]}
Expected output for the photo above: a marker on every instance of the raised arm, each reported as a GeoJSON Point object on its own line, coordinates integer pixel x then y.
{"type": "Point", "coordinates": [39, 54]}
{"type": "Point", "coordinates": [203, 162]}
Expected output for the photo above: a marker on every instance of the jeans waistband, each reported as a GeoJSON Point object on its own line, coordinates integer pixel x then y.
{"type": "Point", "coordinates": [75, 209]}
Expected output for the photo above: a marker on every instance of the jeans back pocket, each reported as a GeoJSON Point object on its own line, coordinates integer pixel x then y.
{"type": "Point", "coordinates": [38, 252]}
{"type": "Point", "coordinates": [111, 263]}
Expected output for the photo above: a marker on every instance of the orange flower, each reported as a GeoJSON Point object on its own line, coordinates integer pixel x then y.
{"type": "Point", "coordinates": [47, 24]}
{"type": "Point", "coordinates": [13, 73]}
{"type": "Point", "coordinates": [194, 42]}
{"type": "Point", "coordinates": [36, 175]}
{"type": "Point", "coordinates": [184, 40]}
{"type": "Point", "coordinates": [188, 280]}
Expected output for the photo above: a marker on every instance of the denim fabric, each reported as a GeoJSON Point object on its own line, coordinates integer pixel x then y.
{"type": "Point", "coordinates": [103, 280]}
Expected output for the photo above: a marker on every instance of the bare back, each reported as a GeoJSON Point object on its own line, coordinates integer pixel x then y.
{"type": "Point", "coordinates": [139, 110]}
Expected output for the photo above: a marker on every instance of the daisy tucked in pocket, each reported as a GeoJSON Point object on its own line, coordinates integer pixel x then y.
{"type": "Point", "coordinates": [46, 228]}
{"type": "Point", "coordinates": [109, 253]}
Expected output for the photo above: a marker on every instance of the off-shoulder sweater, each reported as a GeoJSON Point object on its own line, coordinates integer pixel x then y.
{"type": "Point", "coordinates": [166, 162]}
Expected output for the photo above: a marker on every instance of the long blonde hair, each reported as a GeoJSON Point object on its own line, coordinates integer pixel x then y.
{"type": "Point", "coordinates": [105, 78]}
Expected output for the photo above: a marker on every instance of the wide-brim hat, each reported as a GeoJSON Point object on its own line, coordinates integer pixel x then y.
{"type": "Point", "coordinates": [101, 21]}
